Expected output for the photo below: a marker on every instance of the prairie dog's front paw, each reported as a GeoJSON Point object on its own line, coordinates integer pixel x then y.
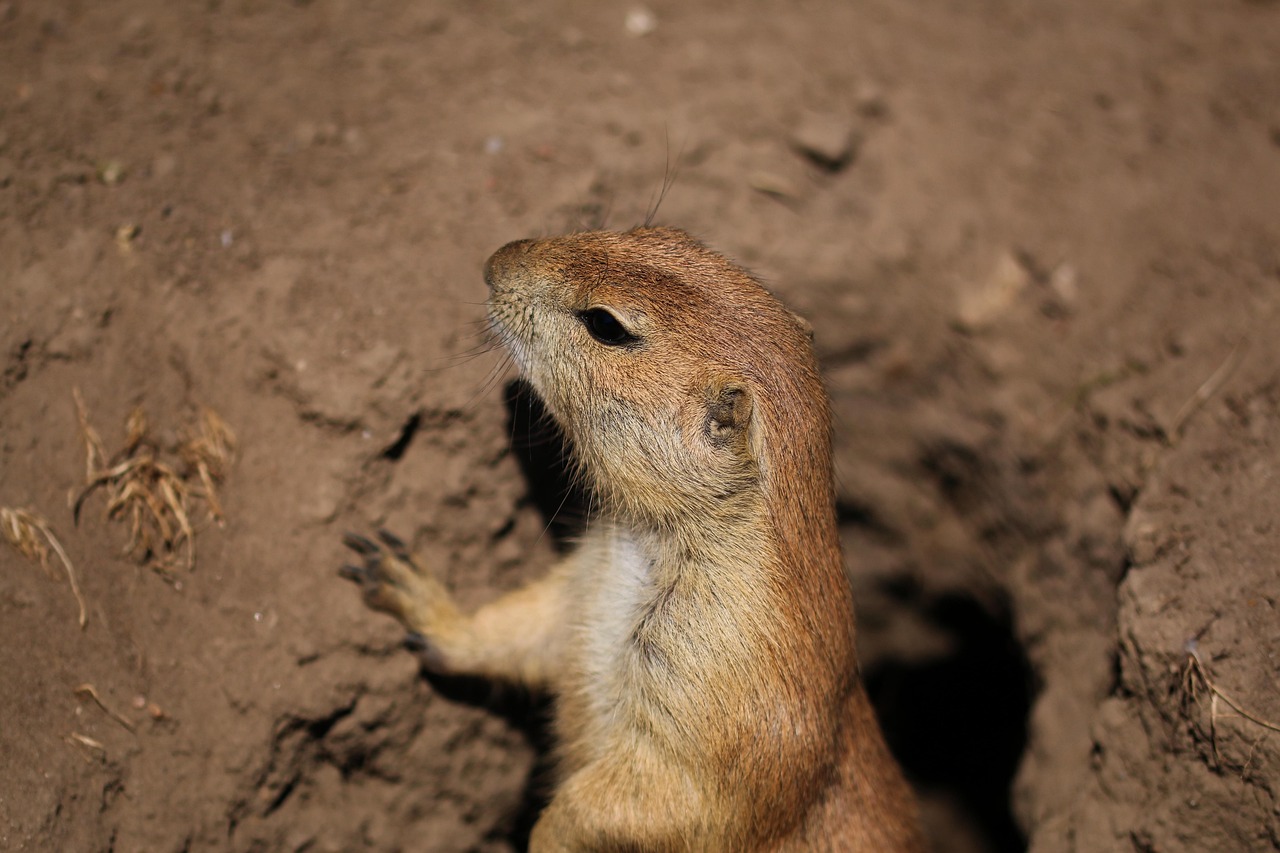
{"type": "Point", "coordinates": [392, 582]}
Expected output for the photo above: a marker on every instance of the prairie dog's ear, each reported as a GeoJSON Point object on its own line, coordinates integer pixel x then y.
{"type": "Point", "coordinates": [730, 416]}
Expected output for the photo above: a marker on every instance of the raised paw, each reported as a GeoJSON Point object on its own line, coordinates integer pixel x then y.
{"type": "Point", "coordinates": [392, 582]}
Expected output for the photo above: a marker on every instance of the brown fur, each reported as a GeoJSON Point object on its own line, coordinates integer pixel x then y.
{"type": "Point", "coordinates": [700, 640]}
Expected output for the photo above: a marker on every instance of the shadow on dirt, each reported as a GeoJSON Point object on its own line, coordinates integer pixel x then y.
{"type": "Point", "coordinates": [529, 714]}
{"type": "Point", "coordinates": [958, 723]}
{"type": "Point", "coordinates": [540, 449]}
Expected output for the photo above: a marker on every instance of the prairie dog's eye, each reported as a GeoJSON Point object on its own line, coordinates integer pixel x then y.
{"type": "Point", "coordinates": [606, 328]}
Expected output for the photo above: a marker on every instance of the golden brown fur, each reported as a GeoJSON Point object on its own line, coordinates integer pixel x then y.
{"type": "Point", "coordinates": [700, 640]}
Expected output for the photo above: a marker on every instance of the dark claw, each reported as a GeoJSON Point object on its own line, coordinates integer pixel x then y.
{"type": "Point", "coordinates": [354, 573]}
{"type": "Point", "coordinates": [415, 642]}
{"type": "Point", "coordinates": [395, 543]}
{"type": "Point", "coordinates": [359, 544]}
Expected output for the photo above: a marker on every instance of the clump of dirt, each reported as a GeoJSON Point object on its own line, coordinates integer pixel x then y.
{"type": "Point", "coordinates": [1037, 244]}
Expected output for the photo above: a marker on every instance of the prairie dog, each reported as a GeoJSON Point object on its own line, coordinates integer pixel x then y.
{"type": "Point", "coordinates": [699, 642]}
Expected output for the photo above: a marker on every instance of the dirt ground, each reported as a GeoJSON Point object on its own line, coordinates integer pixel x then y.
{"type": "Point", "coordinates": [1040, 246]}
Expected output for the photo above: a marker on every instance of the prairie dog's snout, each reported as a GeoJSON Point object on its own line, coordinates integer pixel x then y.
{"type": "Point", "coordinates": [501, 262]}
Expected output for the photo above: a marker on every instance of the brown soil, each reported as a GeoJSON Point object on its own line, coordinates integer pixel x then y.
{"type": "Point", "coordinates": [1040, 244]}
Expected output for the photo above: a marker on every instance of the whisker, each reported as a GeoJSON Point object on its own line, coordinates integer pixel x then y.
{"type": "Point", "coordinates": [489, 382]}
{"type": "Point", "coordinates": [669, 176]}
{"type": "Point", "coordinates": [479, 349]}
{"type": "Point", "coordinates": [568, 493]}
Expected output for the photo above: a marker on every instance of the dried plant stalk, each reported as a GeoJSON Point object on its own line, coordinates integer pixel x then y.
{"type": "Point", "coordinates": [1196, 678]}
{"type": "Point", "coordinates": [153, 496]}
{"type": "Point", "coordinates": [29, 533]}
{"type": "Point", "coordinates": [91, 692]}
{"type": "Point", "coordinates": [208, 452]}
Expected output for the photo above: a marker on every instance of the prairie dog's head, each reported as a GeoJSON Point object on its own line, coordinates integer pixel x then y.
{"type": "Point", "coordinates": [679, 379]}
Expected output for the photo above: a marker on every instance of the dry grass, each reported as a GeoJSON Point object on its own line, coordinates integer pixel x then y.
{"type": "Point", "coordinates": [1196, 681]}
{"type": "Point", "coordinates": [1206, 390]}
{"type": "Point", "coordinates": [154, 491]}
{"type": "Point", "coordinates": [91, 750]}
{"type": "Point", "coordinates": [29, 533]}
{"type": "Point", "coordinates": [88, 691]}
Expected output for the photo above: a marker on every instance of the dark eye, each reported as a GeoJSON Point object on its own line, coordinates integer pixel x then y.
{"type": "Point", "coordinates": [606, 328]}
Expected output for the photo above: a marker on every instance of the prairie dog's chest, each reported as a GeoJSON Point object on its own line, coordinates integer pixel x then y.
{"type": "Point", "coordinates": [615, 589]}
{"type": "Point", "coordinates": [616, 585]}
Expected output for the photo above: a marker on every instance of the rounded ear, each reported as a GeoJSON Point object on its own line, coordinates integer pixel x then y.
{"type": "Point", "coordinates": [730, 420]}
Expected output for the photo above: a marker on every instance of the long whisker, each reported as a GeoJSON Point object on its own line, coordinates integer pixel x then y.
{"type": "Point", "coordinates": [669, 175]}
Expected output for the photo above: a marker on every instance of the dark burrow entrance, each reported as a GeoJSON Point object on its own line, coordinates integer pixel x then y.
{"type": "Point", "coordinates": [957, 721]}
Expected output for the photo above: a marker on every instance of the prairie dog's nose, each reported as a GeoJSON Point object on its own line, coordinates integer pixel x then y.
{"type": "Point", "coordinates": [501, 261]}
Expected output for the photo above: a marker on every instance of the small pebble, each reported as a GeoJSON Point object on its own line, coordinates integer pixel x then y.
{"type": "Point", "coordinates": [1145, 543]}
{"type": "Point", "coordinates": [772, 184]}
{"type": "Point", "coordinates": [640, 21]}
{"type": "Point", "coordinates": [870, 101]}
{"type": "Point", "coordinates": [830, 142]}
{"type": "Point", "coordinates": [127, 233]}
{"type": "Point", "coordinates": [1063, 281]}
{"type": "Point", "coordinates": [982, 303]}
{"type": "Point", "coordinates": [111, 172]}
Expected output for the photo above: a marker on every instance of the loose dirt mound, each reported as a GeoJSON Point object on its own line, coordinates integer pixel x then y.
{"type": "Point", "coordinates": [1040, 246]}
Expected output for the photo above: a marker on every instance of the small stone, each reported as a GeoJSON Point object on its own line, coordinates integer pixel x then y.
{"type": "Point", "coordinates": [772, 184]}
{"type": "Point", "coordinates": [1063, 281]}
{"type": "Point", "coordinates": [870, 101]}
{"type": "Point", "coordinates": [111, 172]}
{"type": "Point", "coordinates": [321, 504]}
{"type": "Point", "coordinates": [73, 342]}
{"type": "Point", "coordinates": [127, 233]}
{"type": "Point", "coordinates": [981, 304]}
{"type": "Point", "coordinates": [829, 142]}
{"type": "Point", "coordinates": [640, 21]}
{"type": "Point", "coordinates": [1145, 543]}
